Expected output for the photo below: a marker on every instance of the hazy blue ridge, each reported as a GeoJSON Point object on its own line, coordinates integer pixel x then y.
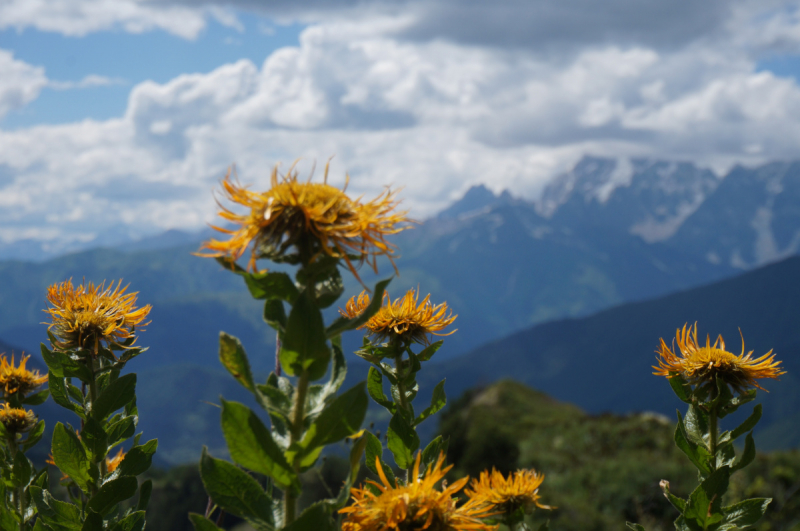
{"type": "Point", "coordinates": [604, 362]}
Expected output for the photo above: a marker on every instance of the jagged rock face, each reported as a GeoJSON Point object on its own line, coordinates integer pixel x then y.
{"type": "Point", "coordinates": [650, 199]}
{"type": "Point", "coordinates": [753, 218]}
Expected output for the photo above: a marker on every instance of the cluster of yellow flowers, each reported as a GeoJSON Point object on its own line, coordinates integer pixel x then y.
{"type": "Point", "coordinates": [420, 505]}
{"type": "Point", "coordinates": [17, 381]}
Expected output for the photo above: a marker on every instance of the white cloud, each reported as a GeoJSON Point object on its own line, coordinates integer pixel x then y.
{"type": "Point", "coordinates": [20, 83]}
{"type": "Point", "coordinates": [396, 107]}
{"type": "Point", "coordinates": [89, 81]}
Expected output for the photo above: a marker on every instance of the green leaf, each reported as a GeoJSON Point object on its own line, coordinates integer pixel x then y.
{"type": "Point", "coordinates": [316, 517]}
{"type": "Point", "coordinates": [113, 492]}
{"type": "Point", "coordinates": [745, 513]}
{"type": "Point", "coordinates": [428, 352]}
{"type": "Point", "coordinates": [438, 401]}
{"type": "Point", "coordinates": [635, 527]}
{"type": "Point", "coordinates": [37, 399]}
{"type": "Point", "coordinates": [33, 436]}
{"type": "Point", "coordinates": [92, 522]}
{"type": "Point", "coordinates": [115, 396]}
{"type": "Point", "coordinates": [431, 452]}
{"type": "Point", "coordinates": [58, 390]}
{"type": "Point", "coordinates": [52, 360]}
{"type": "Point", "coordinates": [304, 347]}
{"type": "Point", "coordinates": [696, 425]}
{"type": "Point", "coordinates": [70, 456]}
{"type": "Point", "coordinates": [133, 522]}
{"type": "Point", "coordinates": [236, 492]}
{"type": "Point", "coordinates": [251, 445]}
{"type": "Point", "coordinates": [704, 504]}
{"type": "Point", "coordinates": [271, 285]}
{"type": "Point", "coordinates": [328, 290]}
{"type": "Point", "coordinates": [698, 455]}
{"type": "Point", "coordinates": [403, 440]}
{"type": "Point", "coordinates": [121, 429]}
{"type": "Point", "coordinates": [201, 523]}
{"type": "Point", "coordinates": [749, 423]}
{"type": "Point", "coordinates": [21, 471]}
{"type": "Point", "coordinates": [374, 454]}
{"type": "Point", "coordinates": [138, 459]}
{"type": "Point", "coordinates": [375, 389]}
{"type": "Point", "coordinates": [56, 514]}
{"type": "Point", "coordinates": [76, 367]}
{"type": "Point", "coordinates": [734, 403]}
{"type": "Point", "coordinates": [233, 357]}
{"type": "Point", "coordinates": [342, 417]}
{"type": "Point", "coordinates": [7, 520]}
{"type": "Point", "coordinates": [94, 438]}
{"type": "Point", "coordinates": [680, 387]}
{"type": "Point", "coordinates": [342, 324]}
{"type": "Point", "coordinates": [748, 454]}
{"type": "Point", "coordinates": [145, 490]}
{"type": "Point", "coordinates": [275, 314]}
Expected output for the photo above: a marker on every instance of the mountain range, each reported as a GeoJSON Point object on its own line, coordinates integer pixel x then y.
{"type": "Point", "coordinates": [607, 233]}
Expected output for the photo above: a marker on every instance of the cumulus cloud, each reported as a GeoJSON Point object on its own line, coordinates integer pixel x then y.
{"type": "Point", "coordinates": [20, 82]}
{"type": "Point", "coordinates": [401, 96]}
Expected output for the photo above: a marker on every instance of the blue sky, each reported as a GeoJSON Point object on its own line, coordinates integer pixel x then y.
{"type": "Point", "coordinates": [118, 119]}
{"type": "Point", "coordinates": [127, 59]}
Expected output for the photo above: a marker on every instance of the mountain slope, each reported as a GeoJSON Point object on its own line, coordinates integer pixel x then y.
{"type": "Point", "coordinates": [603, 362]}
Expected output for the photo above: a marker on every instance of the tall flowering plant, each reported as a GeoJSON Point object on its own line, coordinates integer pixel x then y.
{"type": "Point", "coordinates": [319, 229]}
{"type": "Point", "coordinates": [92, 337]}
{"type": "Point", "coordinates": [714, 383]}
{"type": "Point", "coordinates": [20, 430]}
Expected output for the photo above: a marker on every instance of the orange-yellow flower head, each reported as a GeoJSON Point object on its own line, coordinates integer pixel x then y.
{"type": "Point", "coordinates": [18, 379]}
{"type": "Point", "coordinates": [700, 365]}
{"type": "Point", "coordinates": [16, 420]}
{"type": "Point", "coordinates": [90, 314]}
{"type": "Point", "coordinates": [416, 506]}
{"type": "Point", "coordinates": [404, 319]}
{"type": "Point", "coordinates": [507, 495]}
{"type": "Point", "coordinates": [297, 222]}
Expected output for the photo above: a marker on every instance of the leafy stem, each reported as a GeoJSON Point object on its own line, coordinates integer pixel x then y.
{"type": "Point", "coordinates": [296, 433]}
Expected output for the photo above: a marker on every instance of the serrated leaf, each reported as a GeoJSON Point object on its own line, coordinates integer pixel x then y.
{"type": "Point", "coordinates": [133, 522]}
{"type": "Point", "coordinates": [236, 492]}
{"type": "Point", "coordinates": [438, 401]}
{"type": "Point", "coordinates": [111, 493]}
{"type": "Point", "coordinates": [696, 425]}
{"type": "Point", "coordinates": [58, 391]}
{"type": "Point", "coordinates": [271, 285]}
{"type": "Point", "coordinates": [57, 514]}
{"type": "Point", "coordinates": [745, 513]}
{"type": "Point", "coordinates": [115, 396]}
{"type": "Point", "coordinates": [428, 352]}
{"type": "Point", "coordinates": [704, 504]}
{"type": "Point", "coordinates": [748, 454]}
{"type": "Point", "coordinates": [342, 417]}
{"type": "Point", "coordinates": [304, 347]}
{"type": "Point", "coordinates": [201, 523]}
{"type": "Point", "coordinates": [37, 399]}
{"type": "Point", "coordinates": [375, 389]}
{"type": "Point", "coordinates": [234, 359]}
{"type": "Point", "coordinates": [138, 459]}
{"type": "Point", "coordinates": [698, 455]}
{"type": "Point", "coordinates": [748, 424]}
{"type": "Point", "coordinates": [70, 456]}
{"type": "Point", "coordinates": [251, 445]}
{"type": "Point", "coordinates": [403, 441]}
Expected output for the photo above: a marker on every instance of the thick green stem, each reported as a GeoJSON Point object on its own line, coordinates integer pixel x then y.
{"type": "Point", "coordinates": [401, 387]}
{"type": "Point", "coordinates": [12, 445]}
{"type": "Point", "coordinates": [713, 429]}
{"type": "Point", "coordinates": [99, 460]}
{"type": "Point", "coordinates": [296, 433]}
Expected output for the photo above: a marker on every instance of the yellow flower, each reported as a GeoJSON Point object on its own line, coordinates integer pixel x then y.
{"type": "Point", "coordinates": [416, 506]}
{"type": "Point", "coordinates": [16, 420]}
{"type": "Point", "coordinates": [18, 379]}
{"type": "Point", "coordinates": [316, 218]}
{"type": "Point", "coordinates": [405, 319]}
{"type": "Point", "coordinates": [86, 315]}
{"type": "Point", "coordinates": [700, 365]}
{"type": "Point", "coordinates": [506, 495]}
